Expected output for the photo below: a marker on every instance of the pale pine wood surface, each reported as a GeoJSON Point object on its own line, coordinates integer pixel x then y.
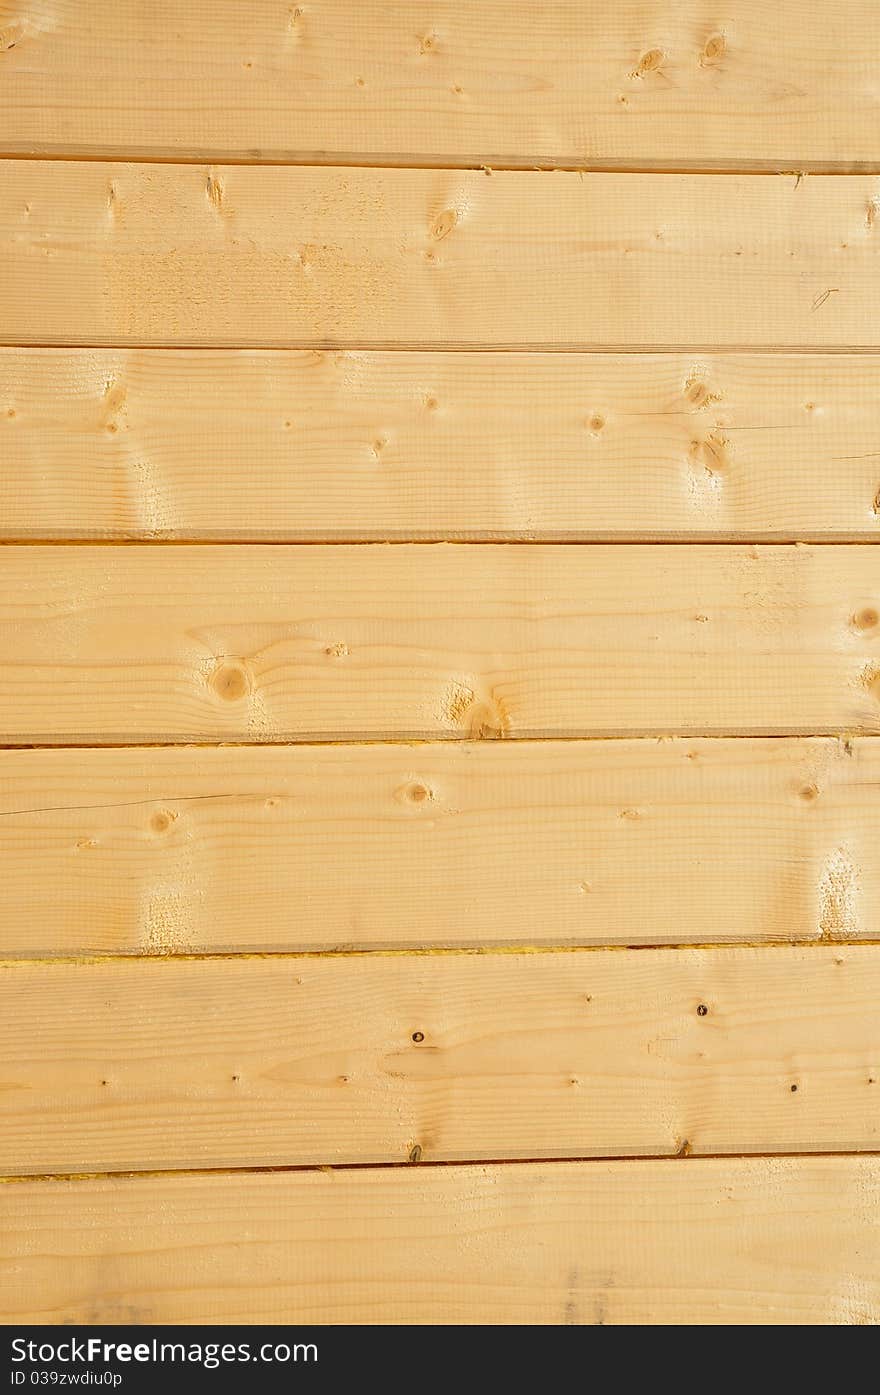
{"type": "Point", "coordinates": [172, 850]}
{"type": "Point", "coordinates": [312, 445]}
{"type": "Point", "coordinates": [218, 1063]}
{"type": "Point", "coordinates": [117, 644]}
{"type": "Point", "coordinates": [633, 83]}
{"type": "Point", "coordinates": [127, 254]}
{"type": "Point", "coordinates": [765, 1240]}
{"type": "Point", "coordinates": [253, 346]}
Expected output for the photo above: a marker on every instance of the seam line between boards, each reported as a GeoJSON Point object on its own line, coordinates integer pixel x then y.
{"type": "Point", "coordinates": [690, 1158]}
{"type": "Point", "coordinates": [132, 743]}
{"type": "Point", "coordinates": [89, 959]}
{"type": "Point", "coordinates": [790, 167]}
{"type": "Point", "coordinates": [453, 346]}
{"type": "Point", "coordinates": [739, 541]}
{"type": "Point", "coordinates": [843, 738]}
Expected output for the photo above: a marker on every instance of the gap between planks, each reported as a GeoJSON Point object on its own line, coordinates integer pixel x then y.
{"type": "Point", "coordinates": [87, 960]}
{"type": "Point", "coordinates": [146, 1174]}
{"type": "Point", "coordinates": [773, 169]}
{"type": "Point", "coordinates": [488, 539]}
{"type": "Point", "coordinates": [224, 743]}
{"type": "Point", "coordinates": [447, 346]}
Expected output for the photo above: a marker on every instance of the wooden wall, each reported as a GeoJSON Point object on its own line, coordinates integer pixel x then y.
{"type": "Point", "coordinates": [439, 661]}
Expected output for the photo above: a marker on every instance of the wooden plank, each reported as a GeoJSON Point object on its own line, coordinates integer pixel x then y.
{"type": "Point", "coordinates": [303, 257]}
{"type": "Point", "coordinates": [161, 851]}
{"type": "Point", "coordinates": [369, 1058]}
{"type": "Point", "coordinates": [138, 643]}
{"type": "Point", "coordinates": [286, 445]}
{"type": "Point", "coordinates": [631, 82]}
{"type": "Point", "coordinates": [739, 1241]}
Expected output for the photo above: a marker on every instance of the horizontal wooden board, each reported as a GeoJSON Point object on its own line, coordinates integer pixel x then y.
{"type": "Point", "coordinates": [310, 445]}
{"type": "Point", "coordinates": [739, 1241]}
{"type": "Point", "coordinates": [371, 1058]}
{"type": "Point", "coordinates": [95, 253]}
{"type": "Point", "coordinates": [167, 850]}
{"type": "Point", "coordinates": [630, 82]}
{"type": "Point", "coordinates": [137, 643]}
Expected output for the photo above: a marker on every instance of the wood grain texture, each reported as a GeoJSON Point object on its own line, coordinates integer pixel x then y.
{"type": "Point", "coordinates": [765, 1240]}
{"type": "Point", "coordinates": [286, 445]}
{"type": "Point", "coordinates": [631, 83]}
{"type": "Point", "coordinates": [95, 253]}
{"type": "Point", "coordinates": [459, 844]}
{"type": "Point", "coordinates": [133, 643]}
{"type": "Point", "coordinates": [196, 1063]}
